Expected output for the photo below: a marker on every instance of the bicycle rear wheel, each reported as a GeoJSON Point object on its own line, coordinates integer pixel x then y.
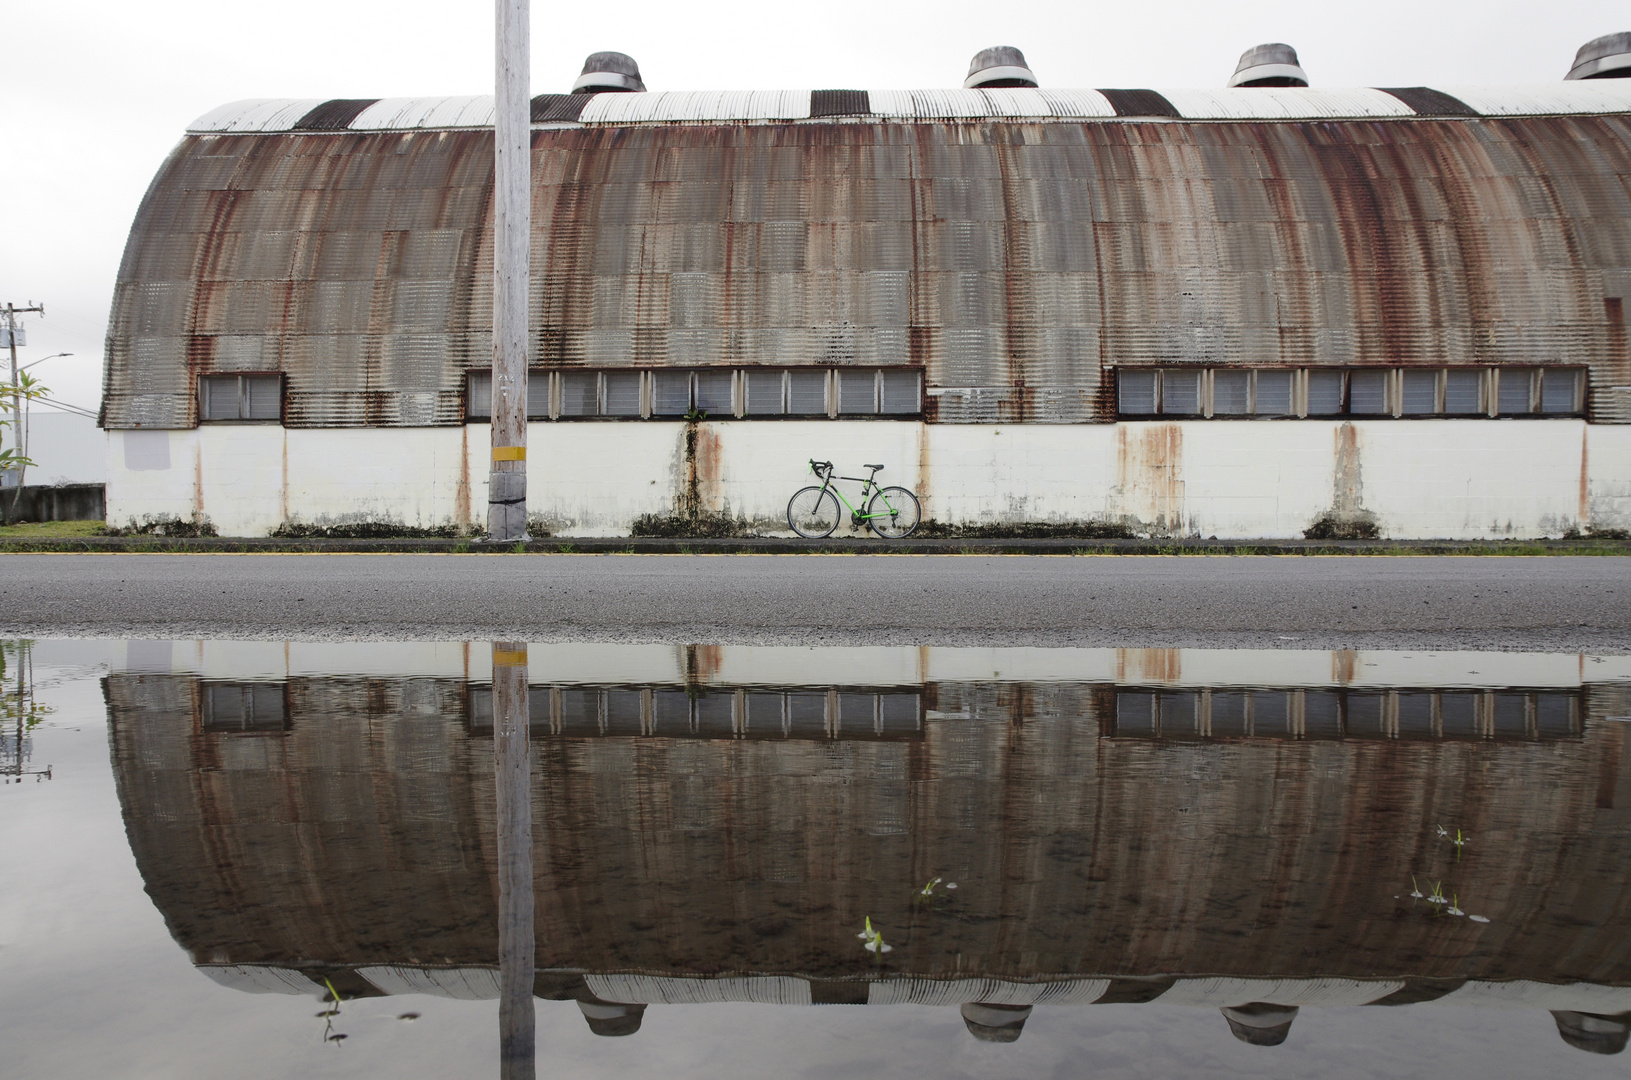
{"type": "Point", "coordinates": [812, 512]}
{"type": "Point", "coordinates": [897, 513]}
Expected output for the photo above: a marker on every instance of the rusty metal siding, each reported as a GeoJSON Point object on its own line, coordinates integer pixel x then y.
{"type": "Point", "coordinates": [1017, 262]}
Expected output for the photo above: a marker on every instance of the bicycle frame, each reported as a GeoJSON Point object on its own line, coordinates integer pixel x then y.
{"type": "Point", "coordinates": [868, 484]}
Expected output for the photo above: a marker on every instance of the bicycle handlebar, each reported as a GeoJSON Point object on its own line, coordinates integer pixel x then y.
{"type": "Point", "coordinates": [820, 467]}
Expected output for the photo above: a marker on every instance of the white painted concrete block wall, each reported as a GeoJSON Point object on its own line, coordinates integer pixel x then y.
{"type": "Point", "coordinates": [1430, 478]}
{"type": "Point", "coordinates": [1608, 487]}
{"type": "Point", "coordinates": [1473, 478]}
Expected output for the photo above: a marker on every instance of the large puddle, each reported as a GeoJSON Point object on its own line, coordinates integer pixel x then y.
{"type": "Point", "coordinates": [276, 859]}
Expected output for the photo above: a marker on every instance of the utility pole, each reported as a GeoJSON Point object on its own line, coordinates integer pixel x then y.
{"type": "Point", "coordinates": [18, 435]}
{"type": "Point", "coordinates": [512, 781]}
{"type": "Point", "coordinates": [512, 237]}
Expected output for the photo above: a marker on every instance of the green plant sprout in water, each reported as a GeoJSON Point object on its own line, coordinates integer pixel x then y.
{"type": "Point", "coordinates": [874, 940]}
{"type": "Point", "coordinates": [1458, 840]}
{"type": "Point", "coordinates": [328, 1015]}
{"type": "Point", "coordinates": [927, 893]}
{"type": "Point", "coordinates": [1446, 906]}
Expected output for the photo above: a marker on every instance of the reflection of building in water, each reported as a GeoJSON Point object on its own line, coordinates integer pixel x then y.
{"type": "Point", "coordinates": [1230, 831]}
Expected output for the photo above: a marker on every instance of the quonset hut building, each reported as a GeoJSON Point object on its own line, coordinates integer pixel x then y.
{"type": "Point", "coordinates": [1252, 311]}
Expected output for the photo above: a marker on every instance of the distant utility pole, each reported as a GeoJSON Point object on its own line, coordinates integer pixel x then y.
{"type": "Point", "coordinates": [512, 236]}
{"type": "Point", "coordinates": [11, 312]}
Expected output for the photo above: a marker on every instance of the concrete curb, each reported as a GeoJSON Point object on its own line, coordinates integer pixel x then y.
{"type": "Point", "coordinates": [790, 546]}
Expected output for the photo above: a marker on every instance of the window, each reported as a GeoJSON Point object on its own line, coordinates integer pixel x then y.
{"type": "Point", "coordinates": [717, 392]}
{"type": "Point", "coordinates": [1464, 391]}
{"type": "Point", "coordinates": [670, 393]}
{"type": "Point", "coordinates": [1560, 390]}
{"type": "Point", "coordinates": [620, 393]}
{"type": "Point", "coordinates": [1294, 713]}
{"type": "Point", "coordinates": [666, 711]}
{"type": "Point", "coordinates": [1327, 391]}
{"type": "Point", "coordinates": [1420, 392]}
{"type": "Point", "coordinates": [240, 397]}
{"type": "Point", "coordinates": [1231, 393]}
{"type": "Point", "coordinates": [714, 394]}
{"type": "Point", "coordinates": [1275, 393]}
{"type": "Point", "coordinates": [1228, 393]}
{"type": "Point", "coordinates": [807, 393]}
{"type": "Point", "coordinates": [803, 391]}
{"type": "Point", "coordinates": [1367, 393]}
{"type": "Point", "coordinates": [478, 404]}
{"type": "Point", "coordinates": [1169, 391]}
{"type": "Point", "coordinates": [1517, 391]}
{"type": "Point", "coordinates": [244, 707]}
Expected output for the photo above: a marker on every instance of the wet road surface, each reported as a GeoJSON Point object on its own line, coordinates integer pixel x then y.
{"type": "Point", "coordinates": [1327, 602]}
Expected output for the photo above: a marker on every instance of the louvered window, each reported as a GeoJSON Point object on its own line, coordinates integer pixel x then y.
{"type": "Point", "coordinates": [240, 397]}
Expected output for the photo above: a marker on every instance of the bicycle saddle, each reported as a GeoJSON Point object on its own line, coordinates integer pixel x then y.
{"type": "Point", "coordinates": [875, 468]}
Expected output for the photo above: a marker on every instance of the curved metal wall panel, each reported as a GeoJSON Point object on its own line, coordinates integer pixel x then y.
{"type": "Point", "coordinates": [1015, 261]}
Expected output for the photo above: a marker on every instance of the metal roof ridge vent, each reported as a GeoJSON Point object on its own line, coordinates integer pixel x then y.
{"type": "Point", "coordinates": [1272, 64]}
{"type": "Point", "coordinates": [1607, 57]}
{"type": "Point", "coordinates": [1001, 65]}
{"type": "Point", "coordinates": [609, 73]}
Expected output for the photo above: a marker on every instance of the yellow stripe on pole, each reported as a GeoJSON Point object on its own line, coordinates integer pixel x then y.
{"type": "Point", "coordinates": [509, 453]}
{"type": "Point", "coordinates": [510, 659]}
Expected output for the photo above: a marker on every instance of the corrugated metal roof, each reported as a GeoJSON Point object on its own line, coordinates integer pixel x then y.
{"type": "Point", "coordinates": [395, 114]}
{"type": "Point", "coordinates": [734, 106]}
{"type": "Point", "coordinates": [256, 114]}
{"type": "Point", "coordinates": [697, 105]}
{"type": "Point", "coordinates": [1545, 99]}
{"type": "Point", "coordinates": [1284, 103]}
{"type": "Point", "coordinates": [980, 104]}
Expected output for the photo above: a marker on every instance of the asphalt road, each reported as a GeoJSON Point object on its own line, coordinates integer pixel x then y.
{"type": "Point", "coordinates": [1238, 602]}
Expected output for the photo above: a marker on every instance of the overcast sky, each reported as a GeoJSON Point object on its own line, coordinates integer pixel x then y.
{"type": "Point", "coordinates": [95, 93]}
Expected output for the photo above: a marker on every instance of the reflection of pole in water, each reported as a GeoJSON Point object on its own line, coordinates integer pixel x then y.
{"type": "Point", "coordinates": [16, 739]}
{"type": "Point", "coordinates": [512, 774]}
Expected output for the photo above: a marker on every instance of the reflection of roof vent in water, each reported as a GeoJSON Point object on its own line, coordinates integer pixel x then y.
{"type": "Point", "coordinates": [1607, 57]}
{"type": "Point", "coordinates": [1260, 1023]}
{"type": "Point", "coordinates": [611, 1017]}
{"type": "Point", "coordinates": [609, 72]}
{"type": "Point", "coordinates": [1002, 65]}
{"type": "Point", "coordinates": [1592, 1033]}
{"type": "Point", "coordinates": [1274, 64]}
{"type": "Point", "coordinates": [995, 1023]}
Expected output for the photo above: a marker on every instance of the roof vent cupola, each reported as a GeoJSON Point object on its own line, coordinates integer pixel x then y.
{"type": "Point", "coordinates": [1003, 65]}
{"type": "Point", "coordinates": [1607, 57]}
{"type": "Point", "coordinates": [609, 73]}
{"type": "Point", "coordinates": [1274, 64]}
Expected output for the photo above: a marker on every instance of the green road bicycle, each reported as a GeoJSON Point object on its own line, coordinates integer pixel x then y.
{"type": "Point", "coordinates": [891, 512]}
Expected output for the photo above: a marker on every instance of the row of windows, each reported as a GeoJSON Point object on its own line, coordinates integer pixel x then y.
{"type": "Point", "coordinates": [751, 392]}
{"type": "Point", "coordinates": [804, 713]}
{"type": "Point", "coordinates": [1291, 392]}
{"type": "Point", "coordinates": [843, 392]}
{"type": "Point", "coordinates": [1347, 714]}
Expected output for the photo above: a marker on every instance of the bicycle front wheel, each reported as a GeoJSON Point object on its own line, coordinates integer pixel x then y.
{"type": "Point", "coordinates": [812, 512]}
{"type": "Point", "coordinates": [893, 513]}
